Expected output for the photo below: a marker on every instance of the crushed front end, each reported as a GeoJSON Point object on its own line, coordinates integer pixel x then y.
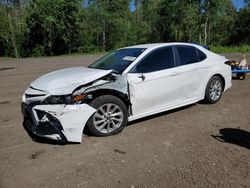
{"type": "Point", "coordinates": [61, 111]}
{"type": "Point", "coordinates": [54, 117]}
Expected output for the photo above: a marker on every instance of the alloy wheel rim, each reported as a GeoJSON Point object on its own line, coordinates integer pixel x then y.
{"type": "Point", "coordinates": [108, 118]}
{"type": "Point", "coordinates": [215, 90]}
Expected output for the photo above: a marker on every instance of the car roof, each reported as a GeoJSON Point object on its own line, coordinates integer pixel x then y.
{"type": "Point", "coordinates": [157, 45]}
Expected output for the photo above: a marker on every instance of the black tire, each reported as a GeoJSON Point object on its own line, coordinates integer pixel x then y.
{"type": "Point", "coordinates": [100, 102]}
{"type": "Point", "coordinates": [208, 98]}
{"type": "Point", "coordinates": [241, 76]}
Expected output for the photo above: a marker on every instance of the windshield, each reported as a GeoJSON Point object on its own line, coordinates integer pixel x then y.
{"type": "Point", "coordinates": [118, 60]}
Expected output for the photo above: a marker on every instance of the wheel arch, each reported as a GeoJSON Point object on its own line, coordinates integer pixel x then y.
{"type": "Point", "coordinates": [111, 95]}
{"type": "Point", "coordinates": [123, 97]}
{"type": "Point", "coordinates": [209, 78]}
{"type": "Point", "coordinates": [222, 79]}
{"type": "Point", "coordinates": [207, 99]}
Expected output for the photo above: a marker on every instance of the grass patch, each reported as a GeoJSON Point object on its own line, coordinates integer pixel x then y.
{"type": "Point", "coordinates": [230, 49]}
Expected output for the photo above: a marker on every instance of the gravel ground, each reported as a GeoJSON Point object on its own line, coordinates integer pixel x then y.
{"type": "Point", "coordinates": [196, 146]}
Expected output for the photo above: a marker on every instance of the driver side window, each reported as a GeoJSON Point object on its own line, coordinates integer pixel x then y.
{"type": "Point", "coordinates": [160, 59]}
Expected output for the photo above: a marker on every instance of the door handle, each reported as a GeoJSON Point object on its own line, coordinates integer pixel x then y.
{"type": "Point", "coordinates": [142, 77]}
{"type": "Point", "coordinates": [175, 74]}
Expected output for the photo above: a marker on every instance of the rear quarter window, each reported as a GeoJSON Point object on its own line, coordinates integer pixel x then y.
{"type": "Point", "coordinates": [187, 55]}
{"type": "Point", "coordinates": [201, 55]}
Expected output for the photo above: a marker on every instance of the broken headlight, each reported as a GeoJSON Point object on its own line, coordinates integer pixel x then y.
{"type": "Point", "coordinates": [79, 96]}
{"type": "Point", "coordinates": [62, 99]}
{"type": "Point", "coordinates": [67, 99]}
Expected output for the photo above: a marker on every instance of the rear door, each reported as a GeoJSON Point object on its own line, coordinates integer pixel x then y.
{"type": "Point", "coordinates": [193, 68]}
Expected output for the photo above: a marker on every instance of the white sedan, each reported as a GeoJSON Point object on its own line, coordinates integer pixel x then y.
{"type": "Point", "coordinates": [125, 85]}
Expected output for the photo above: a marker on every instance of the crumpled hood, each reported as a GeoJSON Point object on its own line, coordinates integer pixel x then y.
{"type": "Point", "coordinates": [64, 81]}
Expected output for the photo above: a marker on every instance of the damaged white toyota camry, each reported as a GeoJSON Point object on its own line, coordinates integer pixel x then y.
{"type": "Point", "coordinates": [126, 84]}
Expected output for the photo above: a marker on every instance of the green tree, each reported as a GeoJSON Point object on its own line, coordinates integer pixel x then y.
{"type": "Point", "coordinates": [108, 19]}
{"type": "Point", "coordinates": [12, 32]}
{"type": "Point", "coordinates": [241, 31]}
{"type": "Point", "coordinates": [4, 33]}
{"type": "Point", "coordinates": [215, 16]}
{"type": "Point", "coordinates": [45, 27]}
{"type": "Point", "coordinates": [52, 27]}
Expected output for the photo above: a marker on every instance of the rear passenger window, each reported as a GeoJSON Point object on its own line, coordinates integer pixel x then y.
{"type": "Point", "coordinates": [201, 55]}
{"type": "Point", "coordinates": [160, 59]}
{"type": "Point", "coordinates": [187, 55]}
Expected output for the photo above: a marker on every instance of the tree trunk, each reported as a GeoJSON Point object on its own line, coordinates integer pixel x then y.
{"type": "Point", "coordinates": [205, 32]}
{"type": "Point", "coordinates": [206, 22]}
{"type": "Point", "coordinates": [126, 35]}
{"type": "Point", "coordinates": [97, 40]}
{"type": "Point", "coordinates": [103, 37]}
{"type": "Point", "coordinates": [209, 33]}
{"type": "Point", "coordinates": [13, 38]}
{"type": "Point", "coordinates": [178, 33]}
{"type": "Point", "coordinates": [190, 35]}
{"type": "Point", "coordinates": [103, 41]}
{"type": "Point", "coordinates": [137, 6]}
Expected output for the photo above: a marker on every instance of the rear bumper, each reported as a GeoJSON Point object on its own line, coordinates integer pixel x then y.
{"type": "Point", "coordinates": [58, 122]}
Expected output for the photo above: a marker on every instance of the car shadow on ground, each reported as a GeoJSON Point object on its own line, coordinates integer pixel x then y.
{"type": "Point", "coordinates": [234, 136]}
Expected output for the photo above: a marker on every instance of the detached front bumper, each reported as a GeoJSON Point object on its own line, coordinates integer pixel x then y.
{"type": "Point", "coordinates": [58, 122]}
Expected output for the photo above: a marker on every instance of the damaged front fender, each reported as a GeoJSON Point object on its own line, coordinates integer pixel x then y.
{"type": "Point", "coordinates": [114, 82]}
{"type": "Point", "coordinates": [119, 84]}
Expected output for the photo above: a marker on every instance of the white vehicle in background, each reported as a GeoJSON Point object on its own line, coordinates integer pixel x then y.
{"type": "Point", "coordinates": [125, 85]}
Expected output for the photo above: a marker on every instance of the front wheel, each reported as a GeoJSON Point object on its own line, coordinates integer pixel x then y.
{"type": "Point", "coordinates": [214, 90]}
{"type": "Point", "coordinates": [110, 118]}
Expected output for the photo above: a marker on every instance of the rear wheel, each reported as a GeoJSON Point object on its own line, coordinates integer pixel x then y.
{"type": "Point", "coordinates": [110, 118]}
{"type": "Point", "coordinates": [214, 90]}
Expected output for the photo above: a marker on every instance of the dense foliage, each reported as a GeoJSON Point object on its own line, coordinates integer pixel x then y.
{"type": "Point", "coordinates": [53, 27]}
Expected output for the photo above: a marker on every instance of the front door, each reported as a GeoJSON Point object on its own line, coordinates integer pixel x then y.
{"type": "Point", "coordinates": [154, 83]}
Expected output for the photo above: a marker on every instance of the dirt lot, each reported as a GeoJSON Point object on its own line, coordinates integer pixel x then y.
{"type": "Point", "coordinates": [174, 149]}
